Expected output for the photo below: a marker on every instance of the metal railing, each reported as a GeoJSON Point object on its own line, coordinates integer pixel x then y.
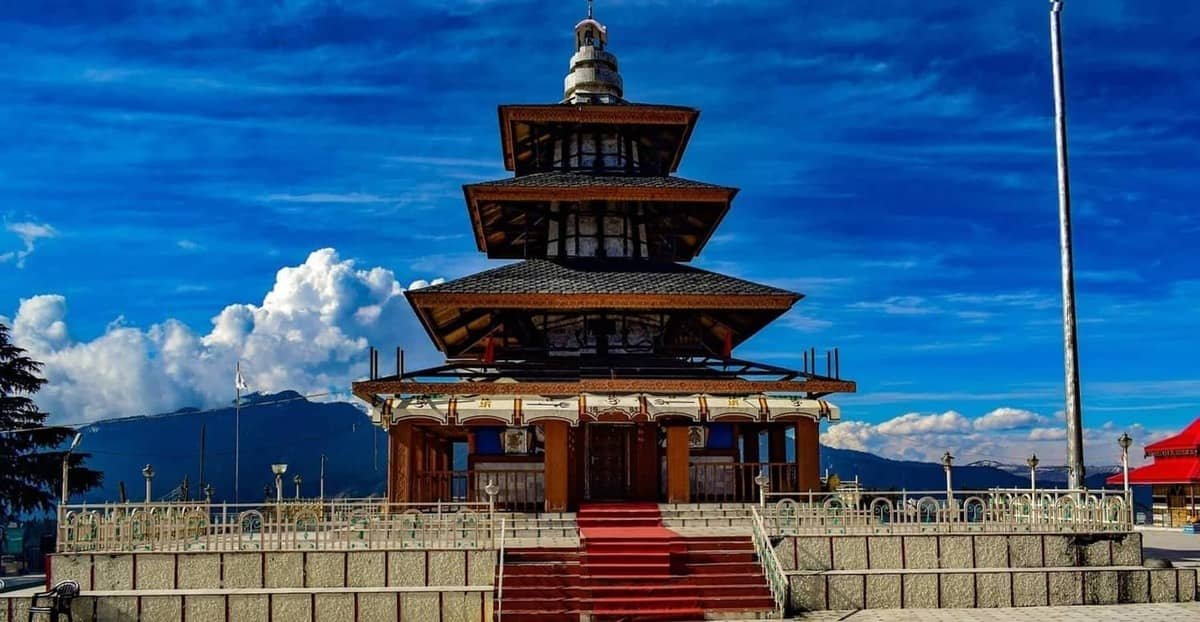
{"type": "Point", "coordinates": [519, 490]}
{"type": "Point", "coordinates": [996, 510]}
{"type": "Point", "coordinates": [772, 569]}
{"type": "Point", "coordinates": [290, 525]}
{"type": "Point", "coordinates": [500, 576]}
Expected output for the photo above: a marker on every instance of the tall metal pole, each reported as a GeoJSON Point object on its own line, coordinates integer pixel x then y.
{"type": "Point", "coordinates": [321, 491]}
{"type": "Point", "coordinates": [237, 433]}
{"type": "Point", "coordinates": [1075, 468]}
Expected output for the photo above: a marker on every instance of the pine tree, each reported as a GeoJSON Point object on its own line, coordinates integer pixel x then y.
{"type": "Point", "coordinates": [30, 462]}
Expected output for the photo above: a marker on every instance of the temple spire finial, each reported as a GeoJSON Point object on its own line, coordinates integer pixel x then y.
{"type": "Point", "coordinates": [594, 78]}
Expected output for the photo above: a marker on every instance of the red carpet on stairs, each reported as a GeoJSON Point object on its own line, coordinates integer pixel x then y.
{"type": "Point", "coordinates": [627, 564]}
{"type": "Point", "coordinates": [630, 568]}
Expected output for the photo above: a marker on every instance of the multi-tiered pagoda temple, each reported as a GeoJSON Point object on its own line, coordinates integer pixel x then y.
{"type": "Point", "coordinates": [599, 365]}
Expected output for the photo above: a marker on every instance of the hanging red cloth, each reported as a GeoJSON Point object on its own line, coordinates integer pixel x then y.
{"type": "Point", "coordinates": [489, 351]}
{"type": "Point", "coordinates": [727, 350]}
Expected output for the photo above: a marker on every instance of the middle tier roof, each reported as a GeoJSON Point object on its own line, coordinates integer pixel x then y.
{"type": "Point", "coordinates": [520, 217]}
{"type": "Point", "coordinates": [694, 311]}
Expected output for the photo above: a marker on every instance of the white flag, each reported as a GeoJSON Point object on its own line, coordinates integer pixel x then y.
{"type": "Point", "coordinates": [239, 382]}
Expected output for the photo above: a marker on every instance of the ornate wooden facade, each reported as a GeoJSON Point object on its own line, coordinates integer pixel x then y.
{"type": "Point", "coordinates": [600, 365]}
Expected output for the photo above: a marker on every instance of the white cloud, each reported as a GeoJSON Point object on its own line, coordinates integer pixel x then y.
{"type": "Point", "coordinates": [188, 245]}
{"type": "Point", "coordinates": [1005, 434]}
{"type": "Point", "coordinates": [1048, 434]}
{"type": "Point", "coordinates": [915, 423]}
{"type": "Point", "coordinates": [30, 233]}
{"type": "Point", "coordinates": [309, 333]}
{"type": "Point", "coordinates": [1009, 419]}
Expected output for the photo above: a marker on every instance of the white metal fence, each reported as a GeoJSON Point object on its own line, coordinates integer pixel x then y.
{"type": "Point", "coordinates": [290, 525]}
{"type": "Point", "coordinates": [965, 511]}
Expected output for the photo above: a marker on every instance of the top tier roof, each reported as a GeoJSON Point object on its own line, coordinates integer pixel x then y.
{"type": "Point", "coordinates": [527, 131]}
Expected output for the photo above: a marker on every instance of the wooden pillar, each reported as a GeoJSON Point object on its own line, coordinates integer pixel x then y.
{"type": "Point", "coordinates": [808, 455]}
{"type": "Point", "coordinates": [783, 478]}
{"type": "Point", "coordinates": [748, 488]}
{"type": "Point", "coordinates": [417, 468]}
{"type": "Point", "coordinates": [400, 443]}
{"type": "Point", "coordinates": [646, 465]}
{"type": "Point", "coordinates": [556, 468]}
{"type": "Point", "coordinates": [678, 487]}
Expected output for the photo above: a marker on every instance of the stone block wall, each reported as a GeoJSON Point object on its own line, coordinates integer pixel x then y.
{"type": "Point", "coordinates": [351, 606]}
{"type": "Point", "coordinates": [967, 588]}
{"type": "Point", "coordinates": [297, 586]}
{"type": "Point", "coordinates": [272, 569]}
{"type": "Point", "coordinates": [958, 551]}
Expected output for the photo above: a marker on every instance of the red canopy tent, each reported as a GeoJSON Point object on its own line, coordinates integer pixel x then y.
{"type": "Point", "coordinates": [1176, 461]}
{"type": "Point", "coordinates": [1174, 476]}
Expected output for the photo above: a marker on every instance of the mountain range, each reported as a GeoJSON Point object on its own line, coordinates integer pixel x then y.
{"type": "Point", "coordinates": [287, 428]}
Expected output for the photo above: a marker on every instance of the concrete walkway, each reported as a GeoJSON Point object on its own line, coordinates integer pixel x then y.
{"type": "Point", "coordinates": [1181, 548]}
{"type": "Point", "coordinates": [1161, 612]}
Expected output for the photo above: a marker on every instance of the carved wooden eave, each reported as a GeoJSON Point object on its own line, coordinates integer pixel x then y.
{"type": "Point", "coordinates": [529, 197]}
{"type": "Point", "coordinates": [595, 114]}
{"type": "Point", "coordinates": [423, 299]}
{"type": "Point", "coordinates": [371, 390]}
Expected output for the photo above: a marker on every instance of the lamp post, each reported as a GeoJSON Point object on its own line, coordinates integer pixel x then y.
{"type": "Point", "coordinates": [1032, 462]}
{"type": "Point", "coordinates": [148, 473]}
{"type": "Point", "coordinates": [321, 487]}
{"type": "Point", "coordinates": [297, 480]}
{"type": "Point", "coordinates": [1125, 441]}
{"type": "Point", "coordinates": [208, 493]}
{"type": "Point", "coordinates": [279, 469]}
{"type": "Point", "coordinates": [491, 490]}
{"type": "Point", "coordinates": [763, 482]}
{"type": "Point", "coordinates": [947, 462]}
{"type": "Point", "coordinates": [66, 467]}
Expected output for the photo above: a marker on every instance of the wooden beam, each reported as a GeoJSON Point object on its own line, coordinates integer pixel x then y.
{"type": "Point", "coordinates": [366, 388]}
{"type": "Point", "coordinates": [487, 192]}
{"type": "Point", "coordinates": [523, 300]}
{"type": "Point", "coordinates": [555, 465]}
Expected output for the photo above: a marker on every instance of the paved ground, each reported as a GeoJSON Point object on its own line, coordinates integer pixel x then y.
{"type": "Point", "coordinates": [1091, 613]}
{"type": "Point", "coordinates": [1181, 548]}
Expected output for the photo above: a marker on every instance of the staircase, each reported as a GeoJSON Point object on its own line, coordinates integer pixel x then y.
{"type": "Point", "coordinates": [630, 568]}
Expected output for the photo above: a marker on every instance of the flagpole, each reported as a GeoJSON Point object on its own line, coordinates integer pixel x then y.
{"type": "Point", "coordinates": [237, 433]}
{"type": "Point", "coordinates": [1074, 417]}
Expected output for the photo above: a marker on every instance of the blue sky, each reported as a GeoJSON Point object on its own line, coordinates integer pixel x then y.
{"type": "Point", "coordinates": [164, 161]}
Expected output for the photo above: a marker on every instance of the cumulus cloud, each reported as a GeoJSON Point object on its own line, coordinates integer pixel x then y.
{"type": "Point", "coordinates": [915, 423]}
{"type": "Point", "coordinates": [308, 334]}
{"type": "Point", "coordinates": [30, 233]}
{"type": "Point", "coordinates": [1009, 419]}
{"type": "Point", "coordinates": [1004, 434]}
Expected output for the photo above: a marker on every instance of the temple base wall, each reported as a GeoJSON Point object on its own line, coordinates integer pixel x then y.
{"type": "Point", "coordinates": [298, 586]}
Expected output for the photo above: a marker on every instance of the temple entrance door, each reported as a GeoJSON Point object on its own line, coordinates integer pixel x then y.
{"type": "Point", "coordinates": [608, 461]}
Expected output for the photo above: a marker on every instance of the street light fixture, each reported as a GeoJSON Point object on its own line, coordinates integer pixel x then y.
{"type": "Point", "coordinates": [947, 462]}
{"type": "Point", "coordinates": [297, 480]}
{"type": "Point", "coordinates": [763, 481]}
{"type": "Point", "coordinates": [279, 469]}
{"type": "Point", "coordinates": [1032, 462]}
{"type": "Point", "coordinates": [66, 467]}
{"type": "Point", "coordinates": [1125, 441]}
{"type": "Point", "coordinates": [148, 473]}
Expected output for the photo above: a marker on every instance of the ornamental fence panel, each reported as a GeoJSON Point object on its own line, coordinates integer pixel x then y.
{"type": "Point", "coordinates": [338, 524]}
{"type": "Point", "coordinates": [858, 511]}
